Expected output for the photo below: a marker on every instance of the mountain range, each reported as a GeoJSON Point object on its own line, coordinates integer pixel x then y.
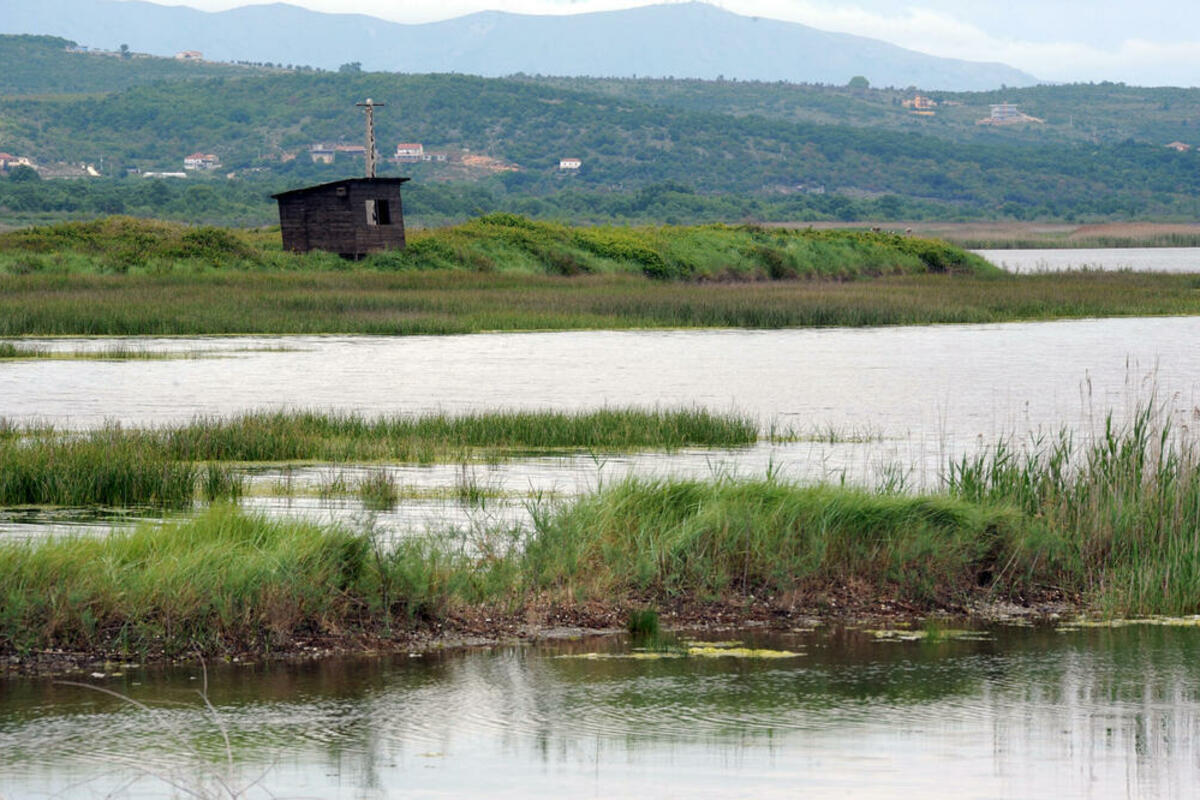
{"type": "Point", "coordinates": [684, 40]}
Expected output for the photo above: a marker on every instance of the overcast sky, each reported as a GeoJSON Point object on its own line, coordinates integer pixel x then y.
{"type": "Point", "coordinates": [1148, 42]}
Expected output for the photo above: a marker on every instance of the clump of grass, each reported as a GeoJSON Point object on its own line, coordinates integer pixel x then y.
{"type": "Point", "coordinates": [103, 468]}
{"type": "Point", "coordinates": [10, 350]}
{"type": "Point", "coordinates": [223, 580]}
{"type": "Point", "coordinates": [222, 482]}
{"type": "Point", "coordinates": [469, 490]}
{"type": "Point", "coordinates": [1115, 519]}
{"type": "Point", "coordinates": [378, 491]}
{"type": "Point", "coordinates": [333, 485]}
{"type": "Point", "coordinates": [115, 352]}
{"type": "Point", "coordinates": [779, 432]}
{"type": "Point", "coordinates": [643, 622]}
{"type": "Point", "coordinates": [726, 538]}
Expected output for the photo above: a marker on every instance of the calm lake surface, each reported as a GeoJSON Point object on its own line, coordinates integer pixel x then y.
{"type": "Point", "coordinates": [1137, 259]}
{"type": "Point", "coordinates": [1017, 713]}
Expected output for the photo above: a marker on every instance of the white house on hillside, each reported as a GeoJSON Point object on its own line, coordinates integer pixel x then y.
{"type": "Point", "coordinates": [201, 161]}
{"type": "Point", "coordinates": [570, 163]}
{"type": "Point", "coordinates": [410, 151]}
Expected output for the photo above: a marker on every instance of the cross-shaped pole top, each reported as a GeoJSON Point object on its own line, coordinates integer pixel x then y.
{"type": "Point", "coordinates": [370, 106]}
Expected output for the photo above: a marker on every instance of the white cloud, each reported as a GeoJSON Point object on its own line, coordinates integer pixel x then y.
{"type": "Point", "coordinates": [921, 28]}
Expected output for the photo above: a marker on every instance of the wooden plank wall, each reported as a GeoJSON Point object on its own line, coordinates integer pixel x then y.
{"type": "Point", "coordinates": [321, 220]}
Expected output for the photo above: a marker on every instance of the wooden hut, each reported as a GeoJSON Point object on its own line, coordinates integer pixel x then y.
{"type": "Point", "coordinates": [351, 217]}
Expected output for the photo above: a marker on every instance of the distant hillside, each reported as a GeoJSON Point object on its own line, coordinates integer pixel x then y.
{"type": "Point", "coordinates": [51, 65]}
{"type": "Point", "coordinates": [684, 40]}
{"type": "Point", "coordinates": [1091, 112]}
{"type": "Point", "coordinates": [514, 132]}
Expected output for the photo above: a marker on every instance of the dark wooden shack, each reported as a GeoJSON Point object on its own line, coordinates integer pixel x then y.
{"type": "Point", "coordinates": [351, 217]}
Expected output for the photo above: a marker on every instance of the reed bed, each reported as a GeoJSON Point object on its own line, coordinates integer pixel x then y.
{"type": "Point", "coordinates": [166, 467]}
{"type": "Point", "coordinates": [1117, 519]}
{"type": "Point", "coordinates": [1076, 242]}
{"type": "Point", "coordinates": [103, 468]}
{"type": "Point", "coordinates": [712, 541]}
{"type": "Point", "coordinates": [444, 303]}
{"type": "Point", "coordinates": [301, 435]}
{"type": "Point", "coordinates": [1111, 524]}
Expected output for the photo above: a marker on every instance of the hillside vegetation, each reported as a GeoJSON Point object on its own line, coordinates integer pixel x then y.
{"type": "Point", "coordinates": [1094, 113]}
{"type": "Point", "coordinates": [652, 150]}
{"type": "Point", "coordinates": [49, 65]}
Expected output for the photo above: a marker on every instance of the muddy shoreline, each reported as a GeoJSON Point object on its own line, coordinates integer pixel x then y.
{"type": "Point", "coordinates": [487, 627]}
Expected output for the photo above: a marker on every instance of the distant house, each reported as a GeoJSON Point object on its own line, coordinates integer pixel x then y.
{"type": "Point", "coordinates": [322, 153]}
{"type": "Point", "coordinates": [570, 163]}
{"type": "Point", "coordinates": [201, 161]}
{"type": "Point", "coordinates": [164, 174]}
{"type": "Point", "coordinates": [351, 149]}
{"type": "Point", "coordinates": [8, 161]}
{"type": "Point", "coordinates": [189, 55]}
{"type": "Point", "coordinates": [1179, 147]}
{"type": "Point", "coordinates": [350, 217]}
{"type": "Point", "coordinates": [1007, 114]}
{"type": "Point", "coordinates": [920, 104]}
{"type": "Point", "coordinates": [410, 152]}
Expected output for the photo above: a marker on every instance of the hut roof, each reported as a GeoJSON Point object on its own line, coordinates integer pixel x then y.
{"type": "Point", "coordinates": [343, 181]}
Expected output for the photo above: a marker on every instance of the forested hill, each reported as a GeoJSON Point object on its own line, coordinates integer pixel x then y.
{"type": "Point", "coordinates": [520, 130]}
{"type": "Point", "coordinates": [1098, 113]}
{"type": "Point", "coordinates": [40, 65]}
{"type": "Point", "coordinates": [651, 150]}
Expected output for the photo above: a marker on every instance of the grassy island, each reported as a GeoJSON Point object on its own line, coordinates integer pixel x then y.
{"type": "Point", "coordinates": [121, 276]}
{"type": "Point", "coordinates": [167, 467]}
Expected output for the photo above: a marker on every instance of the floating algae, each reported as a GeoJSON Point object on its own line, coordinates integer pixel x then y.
{"type": "Point", "coordinates": [694, 650]}
{"type": "Point", "coordinates": [634, 656]}
{"type": "Point", "coordinates": [894, 635]}
{"type": "Point", "coordinates": [739, 652]}
{"type": "Point", "coordinates": [1166, 622]}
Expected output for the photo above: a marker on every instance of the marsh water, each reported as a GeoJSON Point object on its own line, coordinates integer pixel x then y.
{"type": "Point", "coordinates": [1007, 712]}
{"type": "Point", "coordinates": [1137, 259]}
{"type": "Point", "coordinates": [1012, 712]}
{"type": "Point", "coordinates": [865, 406]}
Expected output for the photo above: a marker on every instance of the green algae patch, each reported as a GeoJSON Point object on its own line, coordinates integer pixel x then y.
{"type": "Point", "coordinates": [721, 651]}
{"type": "Point", "coordinates": [948, 634]}
{"type": "Point", "coordinates": [708, 650]}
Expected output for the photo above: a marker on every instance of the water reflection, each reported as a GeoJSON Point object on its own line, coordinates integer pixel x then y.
{"type": "Point", "coordinates": [1028, 712]}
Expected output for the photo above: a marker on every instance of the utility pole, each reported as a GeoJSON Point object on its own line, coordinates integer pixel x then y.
{"type": "Point", "coordinates": [370, 106]}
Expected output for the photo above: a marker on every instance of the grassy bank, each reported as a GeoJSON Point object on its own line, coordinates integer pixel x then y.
{"type": "Point", "coordinates": [493, 243]}
{"type": "Point", "coordinates": [1113, 526]}
{"type": "Point", "coordinates": [448, 302]}
{"type": "Point", "coordinates": [168, 466]}
{"type": "Point", "coordinates": [120, 276]}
